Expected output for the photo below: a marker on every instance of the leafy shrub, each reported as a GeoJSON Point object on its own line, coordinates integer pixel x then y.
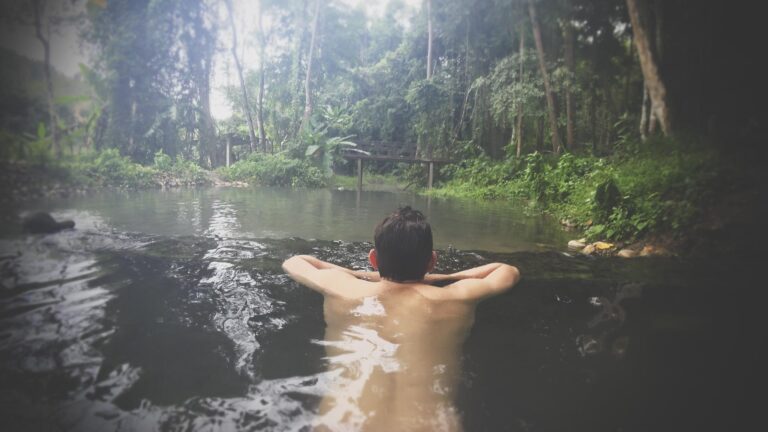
{"type": "Point", "coordinates": [163, 162]}
{"type": "Point", "coordinates": [653, 187]}
{"type": "Point", "coordinates": [607, 197]}
{"type": "Point", "coordinates": [274, 170]}
{"type": "Point", "coordinates": [109, 168]}
{"type": "Point", "coordinates": [179, 171]}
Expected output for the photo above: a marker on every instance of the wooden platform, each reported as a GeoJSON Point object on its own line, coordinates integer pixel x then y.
{"type": "Point", "coordinates": [390, 152]}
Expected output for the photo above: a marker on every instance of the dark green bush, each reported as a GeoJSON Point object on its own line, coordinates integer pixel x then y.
{"type": "Point", "coordinates": [274, 170]}
{"type": "Point", "coordinates": [179, 171]}
{"type": "Point", "coordinates": [109, 168]}
{"type": "Point", "coordinates": [657, 187]}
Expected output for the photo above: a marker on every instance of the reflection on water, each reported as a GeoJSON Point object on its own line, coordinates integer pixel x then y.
{"type": "Point", "coordinates": [314, 214]}
{"type": "Point", "coordinates": [120, 325]}
{"type": "Point", "coordinates": [359, 353]}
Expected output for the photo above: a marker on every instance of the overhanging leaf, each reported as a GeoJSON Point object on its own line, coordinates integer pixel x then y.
{"type": "Point", "coordinates": [312, 150]}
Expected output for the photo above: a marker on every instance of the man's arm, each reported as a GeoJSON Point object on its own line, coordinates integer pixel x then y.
{"type": "Point", "coordinates": [484, 281]}
{"type": "Point", "coordinates": [322, 276]}
{"type": "Point", "coordinates": [324, 265]}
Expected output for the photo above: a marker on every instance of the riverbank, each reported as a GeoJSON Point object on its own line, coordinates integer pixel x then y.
{"type": "Point", "coordinates": [658, 198]}
{"type": "Point", "coordinates": [21, 180]}
{"type": "Point", "coordinates": [662, 202]}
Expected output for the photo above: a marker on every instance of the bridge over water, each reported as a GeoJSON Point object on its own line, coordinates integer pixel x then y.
{"type": "Point", "coordinates": [391, 152]}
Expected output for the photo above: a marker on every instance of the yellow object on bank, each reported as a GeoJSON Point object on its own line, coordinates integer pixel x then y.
{"type": "Point", "coordinates": [603, 245]}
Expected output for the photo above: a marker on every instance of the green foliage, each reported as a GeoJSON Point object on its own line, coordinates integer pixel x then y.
{"type": "Point", "coordinates": [179, 171]}
{"type": "Point", "coordinates": [427, 99]}
{"type": "Point", "coordinates": [153, 78]}
{"type": "Point", "coordinates": [660, 188]}
{"type": "Point", "coordinates": [607, 198]}
{"type": "Point", "coordinates": [163, 162]}
{"type": "Point", "coordinates": [322, 151]}
{"type": "Point", "coordinates": [37, 147]}
{"type": "Point", "coordinates": [108, 168]}
{"type": "Point", "coordinates": [510, 91]}
{"type": "Point", "coordinates": [274, 170]}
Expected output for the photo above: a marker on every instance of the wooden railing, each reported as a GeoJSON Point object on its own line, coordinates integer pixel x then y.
{"type": "Point", "coordinates": [390, 151]}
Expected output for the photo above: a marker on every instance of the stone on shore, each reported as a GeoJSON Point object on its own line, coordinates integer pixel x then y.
{"type": "Point", "coordinates": [650, 250]}
{"type": "Point", "coordinates": [598, 247]}
{"type": "Point", "coordinates": [627, 253]}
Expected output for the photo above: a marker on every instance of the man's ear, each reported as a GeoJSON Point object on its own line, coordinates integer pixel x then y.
{"type": "Point", "coordinates": [432, 262]}
{"type": "Point", "coordinates": [373, 259]}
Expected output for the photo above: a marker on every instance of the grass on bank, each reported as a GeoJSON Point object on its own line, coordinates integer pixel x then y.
{"type": "Point", "coordinates": [371, 181]}
{"type": "Point", "coordinates": [656, 187]}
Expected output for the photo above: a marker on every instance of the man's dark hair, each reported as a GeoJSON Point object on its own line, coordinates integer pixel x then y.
{"type": "Point", "coordinates": [403, 242]}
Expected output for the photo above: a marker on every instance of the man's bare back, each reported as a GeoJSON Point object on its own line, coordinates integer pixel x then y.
{"type": "Point", "coordinates": [393, 340]}
{"type": "Point", "coordinates": [394, 348]}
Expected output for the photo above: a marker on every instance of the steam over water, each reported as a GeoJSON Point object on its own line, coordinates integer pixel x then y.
{"type": "Point", "coordinates": [171, 312]}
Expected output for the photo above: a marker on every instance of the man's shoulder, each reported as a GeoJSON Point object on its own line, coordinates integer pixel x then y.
{"type": "Point", "coordinates": [352, 289]}
{"type": "Point", "coordinates": [451, 292]}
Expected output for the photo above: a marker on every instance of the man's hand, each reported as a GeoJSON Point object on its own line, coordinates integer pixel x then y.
{"type": "Point", "coordinates": [484, 281]}
{"type": "Point", "coordinates": [324, 265]}
{"type": "Point", "coordinates": [473, 273]}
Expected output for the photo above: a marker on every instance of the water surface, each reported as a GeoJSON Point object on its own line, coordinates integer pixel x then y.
{"type": "Point", "coordinates": [310, 214]}
{"type": "Point", "coordinates": [169, 311]}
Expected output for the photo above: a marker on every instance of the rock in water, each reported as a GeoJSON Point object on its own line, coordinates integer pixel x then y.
{"type": "Point", "coordinates": [576, 244]}
{"type": "Point", "coordinates": [44, 223]}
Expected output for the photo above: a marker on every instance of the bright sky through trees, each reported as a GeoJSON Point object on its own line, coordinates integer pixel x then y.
{"type": "Point", "coordinates": [246, 11]}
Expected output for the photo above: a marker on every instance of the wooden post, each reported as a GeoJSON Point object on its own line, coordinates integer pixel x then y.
{"type": "Point", "coordinates": [431, 175]}
{"type": "Point", "coordinates": [357, 201]}
{"type": "Point", "coordinates": [359, 174]}
{"type": "Point", "coordinates": [228, 144]}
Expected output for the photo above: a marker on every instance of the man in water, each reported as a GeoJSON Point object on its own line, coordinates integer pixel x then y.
{"type": "Point", "coordinates": [392, 338]}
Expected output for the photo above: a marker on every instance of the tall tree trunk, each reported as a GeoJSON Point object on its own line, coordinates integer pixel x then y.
{"type": "Point", "coordinates": [207, 127]}
{"type": "Point", "coordinates": [260, 98]}
{"type": "Point", "coordinates": [540, 134]}
{"type": "Point", "coordinates": [593, 118]}
{"type": "Point", "coordinates": [656, 88]}
{"type": "Point", "coordinates": [308, 79]}
{"type": "Point", "coordinates": [132, 125]}
{"type": "Point", "coordinates": [658, 32]}
{"type": "Point", "coordinates": [653, 120]}
{"type": "Point", "coordinates": [570, 64]}
{"type": "Point", "coordinates": [629, 66]}
{"type": "Point", "coordinates": [297, 81]}
{"type": "Point", "coordinates": [43, 35]}
{"type": "Point", "coordinates": [239, 68]}
{"type": "Point", "coordinates": [429, 39]}
{"type": "Point", "coordinates": [468, 85]}
{"type": "Point", "coordinates": [644, 108]}
{"type": "Point", "coordinates": [545, 77]}
{"type": "Point", "coordinates": [519, 127]}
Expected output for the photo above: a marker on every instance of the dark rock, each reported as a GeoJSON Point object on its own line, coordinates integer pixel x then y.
{"type": "Point", "coordinates": [44, 223]}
